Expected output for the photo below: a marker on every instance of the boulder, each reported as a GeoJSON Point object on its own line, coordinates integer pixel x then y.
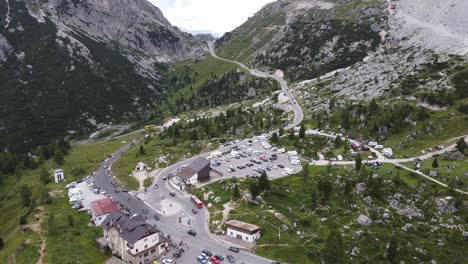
{"type": "Point", "coordinates": [360, 188]}
{"type": "Point", "coordinates": [368, 200]}
{"type": "Point", "coordinates": [456, 155]}
{"type": "Point", "coordinates": [364, 220]}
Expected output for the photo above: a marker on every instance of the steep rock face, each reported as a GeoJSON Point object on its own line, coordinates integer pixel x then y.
{"type": "Point", "coordinates": [5, 47]}
{"type": "Point", "coordinates": [307, 38]}
{"type": "Point", "coordinates": [134, 24]}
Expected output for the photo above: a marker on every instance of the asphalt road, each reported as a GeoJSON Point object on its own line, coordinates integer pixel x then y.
{"type": "Point", "coordinates": [298, 114]}
{"type": "Point", "coordinates": [155, 202]}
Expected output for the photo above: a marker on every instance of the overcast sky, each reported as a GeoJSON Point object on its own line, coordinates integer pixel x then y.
{"type": "Point", "coordinates": [218, 16]}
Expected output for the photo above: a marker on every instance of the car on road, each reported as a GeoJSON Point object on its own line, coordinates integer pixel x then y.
{"type": "Point", "coordinates": [435, 155]}
{"type": "Point", "coordinates": [231, 258]}
{"type": "Point", "coordinates": [125, 190]}
{"type": "Point", "coordinates": [194, 211]}
{"type": "Point", "coordinates": [281, 166]}
{"type": "Point", "coordinates": [234, 249]}
{"type": "Point", "coordinates": [172, 194]}
{"type": "Point", "coordinates": [155, 186]}
{"type": "Point", "coordinates": [219, 257]}
{"type": "Point", "coordinates": [165, 178]}
{"type": "Point", "coordinates": [192, 232]}
{"type": "Point", "coordinates": [207, 252]}
{"type": "Point", "coordinates": [201, 259]}
{"type": "Point", "coordinates": [117, 190]}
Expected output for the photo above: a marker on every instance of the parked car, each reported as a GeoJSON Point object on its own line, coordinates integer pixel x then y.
{"type": "Point", "coordinates": [435, 155]}
{"type": "Point", "coordinates": [117, 190]}
{"type": "Point", "coordinates": [234, 249]}
{"type": "Point", "coordinates": [155, 186]}
{"type": "Point", "coordinates": [125, 190]}
{"type": "Point", "coordinates": [281, 166]}
{"type": "Point", "coordinates": [219, 257]}
{"type": "Point", "coordinates": [208, 253]}
{"type": "Point", "coordinates": [201, 259]}
{"type": "Point", "coordinates": [214, 260]}
{"type": "Point", "coordinates": [192, 232]}
{"type": "Point", "coordinates": [165, 178]}
{"type": "Point", "coordinates": [231, 258]}
{"type": "Point", "coordinates": [172, 194]}
{"type": "Point", "coordinates": [194, 211]}
{"type": "Point", "coordinates": [168, 261]}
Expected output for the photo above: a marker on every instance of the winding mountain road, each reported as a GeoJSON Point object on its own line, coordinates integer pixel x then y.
{"type": "Point", "coordinates": [298, 114]}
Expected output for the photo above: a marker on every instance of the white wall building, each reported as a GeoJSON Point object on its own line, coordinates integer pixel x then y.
{"type": "Point", "coordinates": [59, 176]}
{"type": "Point", "coordinates": [243, 231]}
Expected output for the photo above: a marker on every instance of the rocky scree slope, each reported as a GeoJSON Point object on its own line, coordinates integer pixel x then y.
{"type": "Point", "coordinates": [68, 66]}
{"type": "Point", "coordinates": [422, 59]}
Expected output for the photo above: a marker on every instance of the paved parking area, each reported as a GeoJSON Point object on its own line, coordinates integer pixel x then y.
{"type": "Point", "coordinates": [248, 158]}
{"type": "Point", "coordinates": [88, 195]}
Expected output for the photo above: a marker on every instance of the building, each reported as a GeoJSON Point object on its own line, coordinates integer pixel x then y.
{"type": "Point", "coordinates": [134, 240]}
{"type": "Point", "coordinates": [243, 231]}
{"type": "Point", "coordinates": [59, 176]}
{"type": "Point", "coordinates": [100, 209]}
{"type": "Point", "coordinates": [197, 171]}
{"type": "Point", "coordinates": [140, 166]}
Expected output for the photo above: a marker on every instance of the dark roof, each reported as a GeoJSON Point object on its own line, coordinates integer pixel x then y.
{"type": "Point", "coordinates": [199, 163]}
{"type": "Point", "coordinates": [130, 228]}
{"type": "Point", "coordinates": [194, 167]}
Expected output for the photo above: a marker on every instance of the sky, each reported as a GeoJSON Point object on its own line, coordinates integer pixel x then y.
{"type": "Point", "coordinates": [218, 16]}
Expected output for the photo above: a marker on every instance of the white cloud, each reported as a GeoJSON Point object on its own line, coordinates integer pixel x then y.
{"type": "Point", "coordinates": [218, 16]}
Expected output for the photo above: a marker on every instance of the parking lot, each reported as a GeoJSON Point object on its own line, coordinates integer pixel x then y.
{"type": "Point", "coordinates": [249, 158]}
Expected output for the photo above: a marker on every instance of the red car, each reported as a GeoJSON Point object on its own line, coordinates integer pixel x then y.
{"type": "Point", "coordinates": [214, 260]}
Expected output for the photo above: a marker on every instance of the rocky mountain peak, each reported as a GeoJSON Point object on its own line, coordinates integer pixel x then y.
{"type": "Point", "coordinates": [136, 25]}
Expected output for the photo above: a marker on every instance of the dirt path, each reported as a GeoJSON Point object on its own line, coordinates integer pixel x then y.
{"type": "Point", "coordinates": [37, 227]}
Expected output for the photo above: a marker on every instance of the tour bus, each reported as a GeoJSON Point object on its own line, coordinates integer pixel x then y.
{"type": "Point", "coordinates": [197, 202]}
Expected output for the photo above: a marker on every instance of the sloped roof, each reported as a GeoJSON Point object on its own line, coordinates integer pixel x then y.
{"type": "Point", "coordinates": [130, 228]}
{"type": "Point", "coordinates": [103, 206]}
{"type": "Point", "coordinates": [243, 225]}
{"type": "Point", "coordinates": [194, 167]}
{"type": "Point", "coordinates": [198, 164]}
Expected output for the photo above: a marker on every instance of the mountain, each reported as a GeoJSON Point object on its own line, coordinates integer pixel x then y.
{"type": "Point", "coordinates": [69, 65]}
{"type": "Point", "coordinates": [307, 38]}
{"type": "Point", "coordinates": [350, 50]}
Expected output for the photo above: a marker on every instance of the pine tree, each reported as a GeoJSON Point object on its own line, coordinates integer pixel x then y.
{"type": "Point", "coordinates": [142, 150]}
{"type": "Point", "coordinates": [435, 164]}
{"type": "Point", "coordinates": [392, 250]}
{"type": "Point", "coordinates": [264, 182]}
{"type": "Point", "coordinates": [58, 156]}
{"type": "Point", "coordinates": [274, 138]}
{"type": "Point", "coordinates": [26, 195]}
{"type": "Point", "coordinates": [44, 175]}
{"type": "Point", "coordinates": [461, 145]}
{"type": "Point", "coordinates": [333, 252]}
{"type": "Point", "coordinates": [236, 192]}
{"type": "Point", "coordinates": [281, 131]}
{"type": "Point", "coordinates": [358, 161]}
{"type": "Point", "coordinates": [313, 199]}
{"type": "Point", "coordinates": [302, 131]}
{"type": "Point", "coordinates": [254, 190]}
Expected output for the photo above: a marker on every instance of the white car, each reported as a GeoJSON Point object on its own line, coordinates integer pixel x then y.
{"type": "Point", "coordinates": [168, 261]}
